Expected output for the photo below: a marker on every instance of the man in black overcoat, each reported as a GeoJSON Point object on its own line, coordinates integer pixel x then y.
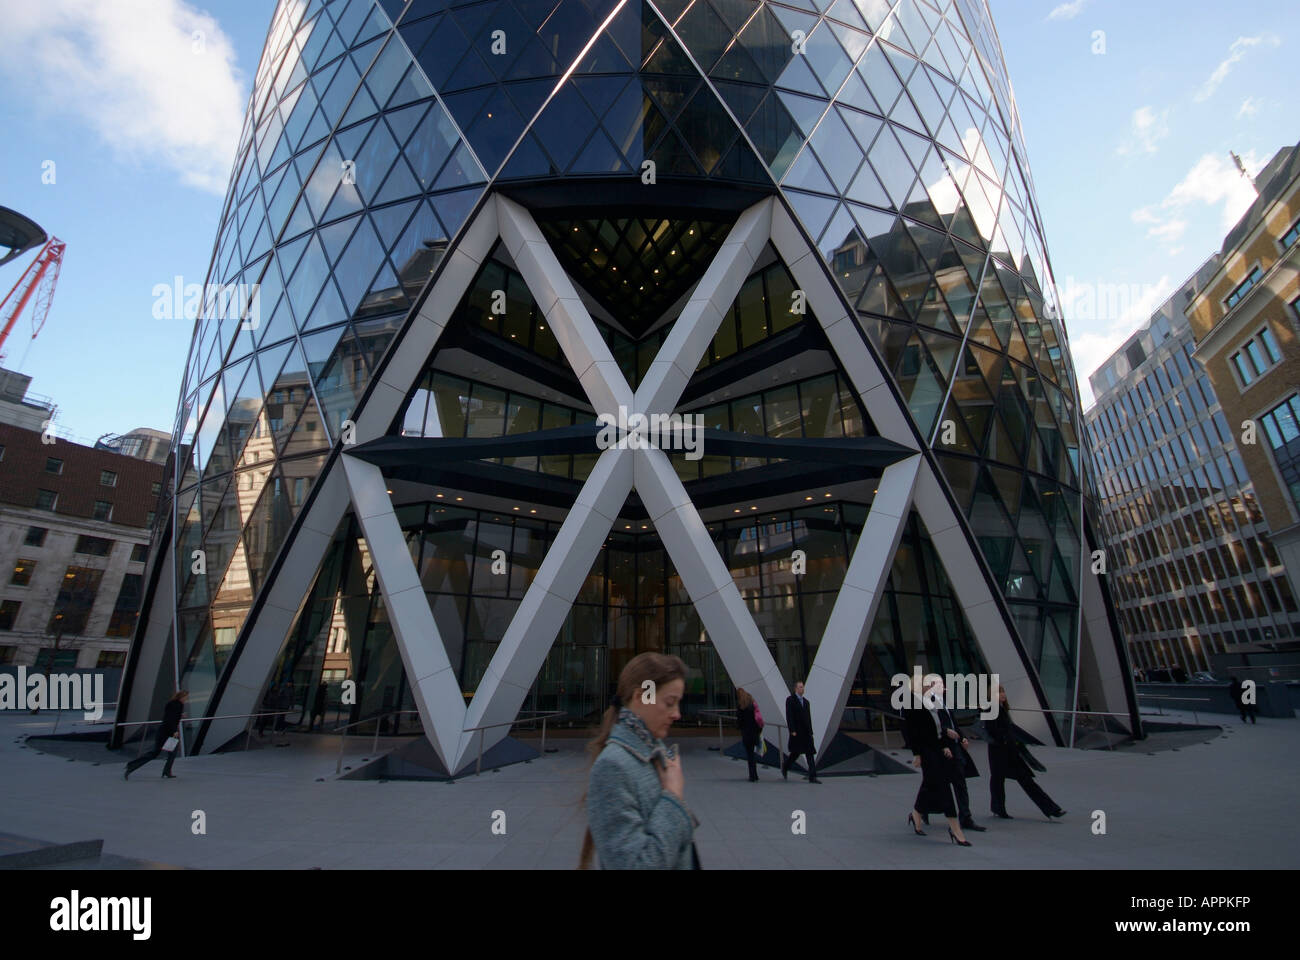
{"type": "Point", "coordinates": [798, 717]}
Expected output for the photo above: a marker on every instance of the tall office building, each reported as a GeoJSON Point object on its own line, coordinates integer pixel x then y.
{"type": "Point", "coordinates": [481, 228]}
{"type": "Point", "coordinates": [1245, 320]}
{"type": "Point", "coordinates": [1194, 570]}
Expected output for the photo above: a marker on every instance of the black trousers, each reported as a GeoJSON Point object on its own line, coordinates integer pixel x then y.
{"type": "Point", "coordinates": [153, 754]}
{"type": "Point", "coordinates": [810, 758]}
{"type": "Point", "coordinates": [998, 794]}
{"type": "Point", "coordinates": [957, 775]}
{"type": "Point", "coordinates": [750, 747]}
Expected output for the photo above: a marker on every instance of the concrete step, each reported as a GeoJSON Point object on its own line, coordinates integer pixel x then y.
{"type": "Point", "coordinates": [19, 852]}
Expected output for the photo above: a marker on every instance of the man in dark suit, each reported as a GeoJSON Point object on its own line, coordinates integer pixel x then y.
{"type": "Point", "coordinates": [798, 716]}
{"type": "Point", "coordinates": [960, 766]}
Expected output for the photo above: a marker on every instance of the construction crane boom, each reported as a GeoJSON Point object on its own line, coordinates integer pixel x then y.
{"type": "Point", "coordinates": [36, 284]}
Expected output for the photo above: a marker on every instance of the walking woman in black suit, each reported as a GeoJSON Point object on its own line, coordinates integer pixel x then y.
{"type": "Point", "coordinates": [750, 731]}
{"type": "Point", "coordinates": [923, 735]}
{"type": "Point", "coordinates": [1005, 760]}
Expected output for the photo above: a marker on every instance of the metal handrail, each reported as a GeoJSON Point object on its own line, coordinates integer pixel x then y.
{"type": "Point", "coordinates": [1085, 713]}
{"type": "Point", "coordinates": [766, 723]}
{"type": "Point", "coordinates": [152, 723]}
{"type": "Point", "coordinates": [536, 715]}
{"type": "Point", "coordinates": [530, 716]}
{"type": "Point", "coordinates": [58, 715]}
{"type": "Point", "coordinates": [1160, 710]}
{"type": "Point", "coordinates": [338, 767]}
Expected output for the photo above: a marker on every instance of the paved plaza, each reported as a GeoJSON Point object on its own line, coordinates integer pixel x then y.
{"type": "Point", "coordinates": [1199, 798]}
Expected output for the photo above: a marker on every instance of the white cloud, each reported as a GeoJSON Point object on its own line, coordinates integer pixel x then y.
{"type": "Point", "coordinates": [1235, 54]}
{"type": "Point", "coordinates": [1067, 11]}
{"type": "Point", "coordinates": [131, 71]}
{"type": "Point", "coordinates": [1250, 107]}
{"type": "Point", "coordinates": [1146, 129]}
{"type": "Point", "coordinates": [1215, 180]}
{"type": "Point", "coordinates": [1168, 232]}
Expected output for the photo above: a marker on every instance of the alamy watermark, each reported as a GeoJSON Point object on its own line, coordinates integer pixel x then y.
{"type": "Point", "coordinates": [663, 431]}
{"type": "Point", "coordinates": [59, 691]}
{"type": "Point", "coordinates": [954, 691]}
{"type": "Point", "coordinates": [230, 301]}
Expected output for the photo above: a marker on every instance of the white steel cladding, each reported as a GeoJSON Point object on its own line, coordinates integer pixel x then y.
{"type": "Point", "coordinates": [887, 132]}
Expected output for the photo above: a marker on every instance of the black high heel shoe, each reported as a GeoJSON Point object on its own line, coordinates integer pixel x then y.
{"type": "Point", "coordinates": [953, 837]}
{"type": "Point", "coordinates": [912, 823]}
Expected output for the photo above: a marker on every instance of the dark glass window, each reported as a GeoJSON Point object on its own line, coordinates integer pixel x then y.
{"type": "Point", "coordinates": [125, 610]}
{"type": "Point", "coordinates": [94, 546]}
{"type": "Point", "coordinates": [46, 500]}
{"type": "Point", "coordinates": [23, 570]}
{"type": "Point", "coordinates": [53, 465]}
{"type": "Point", "coordinates": [75, 600]}
{"type": "Point", "coordinates": [103, 510]}
{"type": "Point", "coordinates": [1289, 238]}
{"type": "Point", "coordinates": [1243, 288]}
{"type": "Point", "coordinates": [35, 537]}
{"type": "Point", "coordinates": [8, 616]}
{"type": "Point", "coordinates": [107, 478]}
{"type": "Point", "coordinates": [140, 553]}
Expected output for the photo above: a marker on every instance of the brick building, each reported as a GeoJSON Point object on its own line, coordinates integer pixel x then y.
{"type": "Point", "coordinates": [75, 523]}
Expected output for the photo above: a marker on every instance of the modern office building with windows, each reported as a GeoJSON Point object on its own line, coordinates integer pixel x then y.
{"type": "Point", "coordinates": [74, 537]}
{"type": "Point", "coordinates": [480, 229]}
{"type": "Point", "coordinates": [1245, 320]}
{"type": "Point", "coordinates": [1194, 569]}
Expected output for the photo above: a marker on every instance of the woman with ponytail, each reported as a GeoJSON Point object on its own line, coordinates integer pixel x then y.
{"type": "Point", "coordinates": [636, 815]}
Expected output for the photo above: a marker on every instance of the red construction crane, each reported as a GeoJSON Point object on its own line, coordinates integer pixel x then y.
{"type": "Point", "coordinates": [37, 283]}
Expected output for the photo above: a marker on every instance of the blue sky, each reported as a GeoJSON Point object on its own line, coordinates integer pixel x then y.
{"type": "Point", "coordinates": [1128, 149]}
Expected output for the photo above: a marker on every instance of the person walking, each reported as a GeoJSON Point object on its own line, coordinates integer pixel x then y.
{"type": "Point", "coordinates": [750, 721]}
{"type": "Point", "coordinates": [637, 817]}
{"type": "Point", "coordinates": [798, 716]}
{"type": "Point", "coordinates": [1238, 690]}
{"type": "Point", "coordinates": [1006, 759]}
{"type": "Point", "coordinates": [166, 740]}
{"type": "Point", "coordinates": [318, 706]}
{"type": "Point", "coordinates": [960, 767]}
{"type": "Point", "coordinates": [923, 735]}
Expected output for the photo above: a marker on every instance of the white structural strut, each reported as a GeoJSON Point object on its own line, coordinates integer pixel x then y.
{"type": "Point", "coordinates": [266, 629]}
{"type": "Point", "coordinates": [979, 605]}
{"type": "Point", "coordinates": [456, 731]}
{"type": "Point", "coordinates": [514, 666]}
{"type": "Point", "coordinates": [428, 672]}
{"type": "Point", "coordinates": [836, 664]}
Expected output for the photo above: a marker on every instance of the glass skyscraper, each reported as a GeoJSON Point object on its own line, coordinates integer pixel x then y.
{"type": "Point", "coordinates": [481, 227]}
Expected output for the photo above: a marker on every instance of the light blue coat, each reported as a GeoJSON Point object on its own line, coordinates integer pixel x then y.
{"type": "Point", "coordinates": [635, 823]}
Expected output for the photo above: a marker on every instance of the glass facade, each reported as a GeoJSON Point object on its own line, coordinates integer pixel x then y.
{"type": "Point", "coordinates": [373, 130]}
{"type": "Point", "coordinates": [1194, 568]}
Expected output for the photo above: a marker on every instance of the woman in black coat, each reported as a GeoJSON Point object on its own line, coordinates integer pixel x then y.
{"type": "Point", "coordinates": [750, 732]}
{"type": "Point", "coordinates": [923, 735]}
{"type": "Point", "coordinates": [171, 723]}
{"type": "Point", "coordinates": [1006, 760]}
